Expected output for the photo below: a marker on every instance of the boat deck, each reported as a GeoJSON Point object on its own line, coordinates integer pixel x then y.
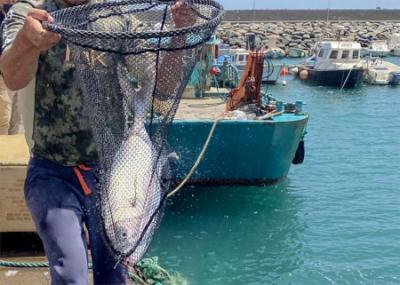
{"type": "Point", "coordinates": [207, 108]}
{"type": "Point", "coordinates": [380, 65]}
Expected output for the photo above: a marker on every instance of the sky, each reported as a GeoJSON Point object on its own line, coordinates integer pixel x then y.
{"type": "Point", "coordinates": [310, 4]}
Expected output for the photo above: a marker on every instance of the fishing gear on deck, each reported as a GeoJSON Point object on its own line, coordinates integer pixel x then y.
{"type": "Point", "coordinates": [133, 59]}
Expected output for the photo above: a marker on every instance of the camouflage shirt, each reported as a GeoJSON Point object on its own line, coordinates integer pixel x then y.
{"type": "Point", "coordinates": [60, 130]}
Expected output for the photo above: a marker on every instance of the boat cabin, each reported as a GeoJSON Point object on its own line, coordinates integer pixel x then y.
{"type": "Point", "coordinates": [379, 46]}
{"type": "Point", "coordinates": [335, 55]}
{"type": "Point", "coordinates": [377, 49]}
{"type": "Point", "coordinates": [239, 57]}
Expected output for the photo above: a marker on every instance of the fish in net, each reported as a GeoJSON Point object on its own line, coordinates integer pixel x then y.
{"type": "Point", "coordinates": [133, 60]}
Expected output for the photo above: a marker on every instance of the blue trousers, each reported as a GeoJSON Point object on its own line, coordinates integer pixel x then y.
{"type": "Point", "coordinates": [59, 208]}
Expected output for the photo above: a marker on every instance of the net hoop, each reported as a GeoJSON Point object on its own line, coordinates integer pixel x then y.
{"type": "Point", "coordinates": [69, 31]}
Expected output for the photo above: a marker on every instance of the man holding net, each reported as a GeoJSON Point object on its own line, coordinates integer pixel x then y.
{"type": "Point", "coordinates": [59, 183]}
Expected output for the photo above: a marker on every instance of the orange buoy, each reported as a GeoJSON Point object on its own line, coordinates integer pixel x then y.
{"type": "Point", "coordinates": [303, 74]}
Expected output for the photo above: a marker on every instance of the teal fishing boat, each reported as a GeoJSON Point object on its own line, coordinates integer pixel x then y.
{"type": "Point", "coordinates": [255, 140]}
{"type": "Point", "coordinates": [247, 152]}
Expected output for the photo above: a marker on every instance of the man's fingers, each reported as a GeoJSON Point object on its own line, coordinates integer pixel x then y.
{"type": "Point", "coordinates": [51, 38]}
{"type": "Point", "coordinates": [40, 15]}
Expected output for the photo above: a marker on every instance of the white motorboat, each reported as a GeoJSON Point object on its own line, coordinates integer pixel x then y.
{"type": "Point", "coordinates": [377, 49]}
{"type": "Point", "coordinates": [380, 72]}
{"type": "Point", "coordinates": [334, 63]}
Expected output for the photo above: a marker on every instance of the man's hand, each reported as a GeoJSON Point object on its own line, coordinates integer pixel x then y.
{"type": "Point", "coordinates": [182, 14]}
{"type": "Point", "coordinates": [18, 62]}
{"type": "Point", "coordinates": [34, 34]}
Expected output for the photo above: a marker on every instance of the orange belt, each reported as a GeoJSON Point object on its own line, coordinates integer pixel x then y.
{"type": "Point", "coordinates": [81, 179]}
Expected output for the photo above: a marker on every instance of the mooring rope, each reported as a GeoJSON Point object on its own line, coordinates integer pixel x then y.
{"type": "Point", "coordinates": [151, 271]}
{"type": "Point", "coordinates": [199, 158]}
{"type": "Point", "coordinates": [347, 78]}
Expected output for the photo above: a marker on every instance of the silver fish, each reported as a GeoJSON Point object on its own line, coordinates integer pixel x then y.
{"type": "Point", "coordinates": [134, 190]}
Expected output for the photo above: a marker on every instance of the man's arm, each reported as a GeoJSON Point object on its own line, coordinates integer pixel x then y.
{"type": "Point", "coordinates": [18, 61]}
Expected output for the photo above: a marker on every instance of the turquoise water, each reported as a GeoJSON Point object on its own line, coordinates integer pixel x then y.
{"type": "Point", "coordinates": [334, 220]}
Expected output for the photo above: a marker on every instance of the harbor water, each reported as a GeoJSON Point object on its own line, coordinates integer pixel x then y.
{"type": "Point", "coordinates": [334, 220]}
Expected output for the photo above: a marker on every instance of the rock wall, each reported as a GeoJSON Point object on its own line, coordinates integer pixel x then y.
{"type": "Point", "coordinates": [276, 15]}
{"type": "Point", "coordinates": [304, 35]}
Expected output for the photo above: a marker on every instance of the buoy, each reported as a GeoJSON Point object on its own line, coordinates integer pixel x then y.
{"type": "Point", "coordinates": [303, 74]}
{"type": "Point", "coordinates": [300, 153]}
{"type": "Point", "coordinates": [294, 70]}
{"type": "Point", "coordinates": [283, 72]}
{"type": "Point", "coordinates": [214, 71]}
{"type": "Point", "coordinates": [284, 83]}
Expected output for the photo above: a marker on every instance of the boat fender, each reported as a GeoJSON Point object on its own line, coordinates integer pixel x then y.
{"type": "Point", "coordinates": [303, 74]}
{"type": "Point", "coordinates": [300, 153]}
{"type": "Point", "coordinates": [294, 70]}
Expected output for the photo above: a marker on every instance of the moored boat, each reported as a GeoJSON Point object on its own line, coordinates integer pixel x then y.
{"type": "Point", "coordinates": [242, 151]}
{"type": "Point", "coordinates": [256, 138]}
{"type": "Point", "coordinates": [377, 49]}
{"type": "Point", "coordinates": [394, 44]}
{"type": "Point", "coordinates": [296, 53]}
{"type": "Point", "coordinates": [334, 63]}
{"type": "Point", "coordinates": [380, 72]}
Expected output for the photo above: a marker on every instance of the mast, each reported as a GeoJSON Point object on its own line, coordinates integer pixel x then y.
{"type": "Point", "coordinates": [328, 12]}
{"type": "Point", "coordinates": [254, 10]}
{"type": "Point", "coordinates": [328, 15]}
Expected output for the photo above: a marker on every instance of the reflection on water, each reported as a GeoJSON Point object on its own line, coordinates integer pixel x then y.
{"type": "Point", "coordinates": [231, 235]}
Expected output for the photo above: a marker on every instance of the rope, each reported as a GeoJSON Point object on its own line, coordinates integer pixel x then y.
{"type": "Point", "coordinates": [347, 78]}
{"type": "Point", "coordinates": [150, 270]}
{"type": "Point", "coordinates": [198, 160]}
{"type": "Point", "coordinates": [44, 264]}
{"type": "Point", "coordinates": [23, 264]}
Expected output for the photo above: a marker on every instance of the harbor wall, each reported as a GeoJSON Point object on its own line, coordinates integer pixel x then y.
{"type": "Point", "coordinates": [311, 15]}
{"type": "Point", "coordinates": [304, 34]}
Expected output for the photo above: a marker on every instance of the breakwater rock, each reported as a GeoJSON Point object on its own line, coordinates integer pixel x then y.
{"type": "Point", "coordinates": [304, 35]}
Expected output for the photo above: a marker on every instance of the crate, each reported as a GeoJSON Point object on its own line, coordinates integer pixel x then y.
{"type": "Point", "coordinates": [14, 157]}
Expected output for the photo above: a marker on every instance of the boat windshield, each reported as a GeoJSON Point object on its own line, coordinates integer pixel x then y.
{"type": "Point", "coordinates": [345, 54]}
{"type": "Point", "coordinates": [334, 54]}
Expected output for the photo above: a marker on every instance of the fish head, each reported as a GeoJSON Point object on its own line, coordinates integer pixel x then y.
{"type": "Point", "coordinates": [125, 235]}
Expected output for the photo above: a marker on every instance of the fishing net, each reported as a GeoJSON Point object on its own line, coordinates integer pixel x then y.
{"type": "Point", "coordinates": [133, 59]}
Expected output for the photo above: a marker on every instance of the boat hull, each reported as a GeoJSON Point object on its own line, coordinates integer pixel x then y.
{"type": "Point", "coordinates": [379, 53]}
{"type": "Point", "coordinates": [240, 152]}
{"type": "Point", "coordinates": [395, 52]}
{"type": "Point", "coordinates": [394, 79]}
{"type": "Point", "coordinates": [346, 78]}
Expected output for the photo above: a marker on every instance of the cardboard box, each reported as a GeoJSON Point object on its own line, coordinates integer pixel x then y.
{"type": "Point", "coordinates": [14, 157]}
